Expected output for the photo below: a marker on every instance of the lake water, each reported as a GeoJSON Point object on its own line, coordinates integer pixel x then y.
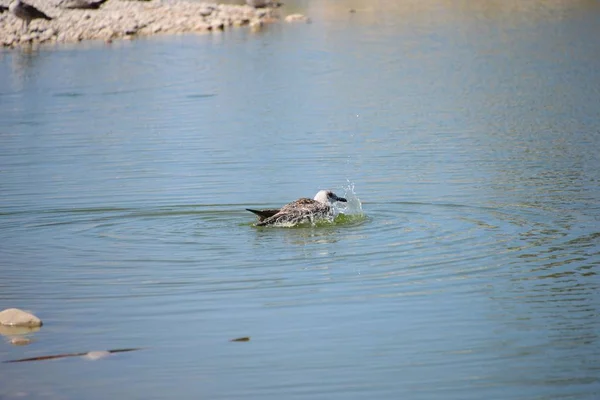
{"type": "Point", "coordinates": [470, 134]}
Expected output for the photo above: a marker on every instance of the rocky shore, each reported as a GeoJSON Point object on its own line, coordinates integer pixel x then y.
{"type": "Point", "coordinates": [127, 19]}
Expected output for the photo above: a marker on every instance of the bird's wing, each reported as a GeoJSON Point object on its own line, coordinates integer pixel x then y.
{"type": "Point", "coordinates": [295, 212]}
{"type": "Point", "coordinates": [34, 12]}
{"type": "Point", "coordinates": [96, 4]}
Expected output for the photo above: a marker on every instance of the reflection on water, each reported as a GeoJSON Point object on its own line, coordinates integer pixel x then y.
{"type": "Point", "coordinates": [464, 264]}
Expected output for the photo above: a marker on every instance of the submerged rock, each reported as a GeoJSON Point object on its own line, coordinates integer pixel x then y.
{"type": "Point", "coordinates": [256, 25]}
{"type": "Point", "coordinates": [20, 341]}
{"type": "Point", "coordinates": [16, 317]}
{"type": "Point", "coordinates": [97, 355]}
{"type": "Point", "coordinates": [297, 18]}
{"type": "Point", "coordinates": [10, 331]}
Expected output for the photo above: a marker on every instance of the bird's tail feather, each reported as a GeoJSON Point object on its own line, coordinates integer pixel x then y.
{"type": "Point", "coordinates": [263, 214]}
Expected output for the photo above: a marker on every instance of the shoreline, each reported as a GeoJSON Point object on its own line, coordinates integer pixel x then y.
{"type": "Point", "coordinates": [126, 19]}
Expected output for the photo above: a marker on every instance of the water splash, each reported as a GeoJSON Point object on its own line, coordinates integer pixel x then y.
{"type": "Point", "coordinates": [353, 206]}
{"type": "Point", "coordinates": [351, 212]}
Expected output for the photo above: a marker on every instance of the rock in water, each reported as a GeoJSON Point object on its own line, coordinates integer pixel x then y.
{"type": "Point", "coordinates": [20, 341]}
{"type": "Point", "coordinates": [16, 317]}
{"type": "Point", "coordinates": [297, 18]}
{"type": "Point", "coordinates": [96, 355]}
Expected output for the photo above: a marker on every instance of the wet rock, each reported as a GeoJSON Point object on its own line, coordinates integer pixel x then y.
{"type": "Point", "coordinates": [47, 35]}
{"type": "Point", "coordinates": [217, 25]}
{"type": "Point", "coordinates": [131, 31]}
{"type": "Point", "coordinates": [11, 331]}
{"type": "Point", "coordinates": [9, 40]}
{"type": "Point", "coordinates": [202, 27]}
{"type": "Point", "coordinates": [297, 18]}
{"type": "Point", "coordinates": [63, 37]}
{"type": "Point", "coordinates": [256, 25]}
{"type": "Point", "coordinates": [16, 317]}
{"type": "Point", "coordinates": [27, 38]}
{"type": "Point", "coordinates": [241, 22]}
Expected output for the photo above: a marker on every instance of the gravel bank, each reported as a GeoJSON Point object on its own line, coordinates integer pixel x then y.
{"type": "Point", "coordinates": [127, 19]}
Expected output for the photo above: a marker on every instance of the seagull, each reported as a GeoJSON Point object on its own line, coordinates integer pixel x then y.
{"type": "Point", "coordinates": [301, 210]}
{"type": "Point", "coordinates": [26, 12]}
{"type": "Point", "coordinates": [81, 4]}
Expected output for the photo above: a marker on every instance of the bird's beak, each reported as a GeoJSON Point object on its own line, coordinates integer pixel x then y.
{"type": "Point", "coordinates": [343, 200]}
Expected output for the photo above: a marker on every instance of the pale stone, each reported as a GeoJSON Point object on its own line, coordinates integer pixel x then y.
{"type": "Point", "coordinates": [131, 30]}
{"type": "Point", "coordinates": [16, 317]}
{"type": "Point", "coordinates": [201, 27]}
{"type": "Point", "coordinates": [205, 12]}
{"type": "Point", "coordinates": [96, 355]}
{"type": "Point", "coordinates": [217, 25]}
{"type": "Point", "coordinates": [47, 35]}
{"type": "Point", "coordinates": [9, 40]}
{"type": "Point", "coordinates": [27, 38]}
{"type": "Point", "coordinates": [297, 18]}
{"type": "Point", "coordinates": [20, 341]}
{"type": "Point", "coordinates": [256, 24]}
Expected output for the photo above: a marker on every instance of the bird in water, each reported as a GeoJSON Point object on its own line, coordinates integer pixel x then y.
{"type": "Point", "coordinates": [299, 211]}
{"type": "Point", "coordinates": [26, 12]}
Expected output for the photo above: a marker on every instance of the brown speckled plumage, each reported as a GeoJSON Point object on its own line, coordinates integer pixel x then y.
{"type": "Point", "coordinates": [299, 211]}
